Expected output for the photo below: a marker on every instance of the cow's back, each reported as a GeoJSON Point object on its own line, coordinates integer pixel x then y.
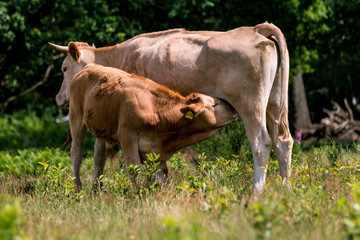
{"type": "Point", "coordinates": [194, 61]}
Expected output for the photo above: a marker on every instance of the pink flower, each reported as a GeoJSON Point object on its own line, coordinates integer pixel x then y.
{"type": "Point", "coordinates": [298, 137]}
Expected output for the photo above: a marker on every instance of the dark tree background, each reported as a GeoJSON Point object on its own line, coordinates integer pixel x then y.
{"type": "Point", "coordinates": [322, 35]}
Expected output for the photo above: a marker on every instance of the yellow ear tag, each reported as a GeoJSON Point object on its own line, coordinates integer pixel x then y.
{"type": "Point", "coordinates": [76, 55]}
{"type": "Point", "coordinates": [189, 115]}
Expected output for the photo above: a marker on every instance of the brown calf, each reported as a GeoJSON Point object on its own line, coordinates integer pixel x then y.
{"type": "Point", "coordinates": [140, 115]}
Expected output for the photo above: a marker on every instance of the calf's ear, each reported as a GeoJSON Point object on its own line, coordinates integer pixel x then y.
{"type": "Point", "coordinates": [188, 111]}
{"type": "Point", "coordinates": [74, 51]}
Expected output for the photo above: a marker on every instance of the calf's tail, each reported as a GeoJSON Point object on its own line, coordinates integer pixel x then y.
{"type": "Point", "coordinates": [270, 31]}
{"type": "Point", "coordinates": [68, 140]}
{"type": "Point", "coordinates": [111, 150]}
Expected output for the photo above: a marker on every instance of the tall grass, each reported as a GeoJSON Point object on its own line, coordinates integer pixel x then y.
{"type": "Point", "coordinates": [208, 198]}
{"type": "Point", "coordinates": [211, 199]}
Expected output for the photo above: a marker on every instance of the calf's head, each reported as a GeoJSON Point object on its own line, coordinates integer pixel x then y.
{"type": "Point", "coordinates": [207, 114]}
{"type": "Point", "coordinates": [78, 56]}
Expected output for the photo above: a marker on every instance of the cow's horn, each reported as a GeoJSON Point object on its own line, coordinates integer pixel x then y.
{"type": "Point", "coordinates": [60, 48]}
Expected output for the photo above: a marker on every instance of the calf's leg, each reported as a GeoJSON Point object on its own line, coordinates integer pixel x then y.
{"type": "Point", "coordinates": [162, 174]}
{"type": "Point", "coordinates": [99, 160]}
{"type": "Point", "coordinates": [76, 152]}
{"type": "Point", "coordinates": [129, 145]}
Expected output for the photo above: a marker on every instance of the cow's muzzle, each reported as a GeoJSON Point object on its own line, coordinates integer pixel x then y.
{"type": "Point", "coordinates": [61, 102]}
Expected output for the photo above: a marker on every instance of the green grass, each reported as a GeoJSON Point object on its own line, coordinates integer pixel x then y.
{"type": "Point", "coordinates": [208, 199]}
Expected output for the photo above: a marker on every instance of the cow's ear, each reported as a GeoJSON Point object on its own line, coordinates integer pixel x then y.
{"type": "Point", "coordinates": [188, 111]}
{"type": "Point", "coordinates": [193, 98]}
{"type": "Point", "coordinates": [74, 51]}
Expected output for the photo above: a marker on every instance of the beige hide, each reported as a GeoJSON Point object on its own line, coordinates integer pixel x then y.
{"type": "Point", "coordinates": [247, 66]}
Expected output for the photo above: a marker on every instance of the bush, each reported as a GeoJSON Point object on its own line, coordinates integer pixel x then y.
{"type": "Point", "coordinates": [26, 161]}
{"type": "Point", "coordinates": [229, 141]}
{"type": "Point", "coordinates": [11, 218]}
{"type": "Point", "coordinates": [25, 130]}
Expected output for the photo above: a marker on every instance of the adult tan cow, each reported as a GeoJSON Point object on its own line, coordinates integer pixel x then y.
{"type": "Point", "coordinates": [247, 66]}
{"type": "Point", "coordinates": [140, 115]}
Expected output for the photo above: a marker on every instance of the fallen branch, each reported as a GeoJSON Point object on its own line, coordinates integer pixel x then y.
{"type": "Point", "coordinates": [349, 110]}
{"type": "Point", "coordinates": [340, 125]}
{"type": "Point", "coordinates": [33, 87]}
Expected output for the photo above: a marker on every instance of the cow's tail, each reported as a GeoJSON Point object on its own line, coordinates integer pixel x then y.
{"type": "Point", "coordinates": [270, 31]}
{"type": "Point", "coordinates": [68, 140]}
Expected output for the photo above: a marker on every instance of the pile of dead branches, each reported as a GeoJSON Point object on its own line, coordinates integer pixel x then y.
{"type": "Point", "coordinates": [339, 125]}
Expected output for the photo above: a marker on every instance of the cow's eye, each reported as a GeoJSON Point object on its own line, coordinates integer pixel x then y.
{"type": "Point", "coordinates": [64, 69]}
{"type": "Point", "coordinates": [215, 104]}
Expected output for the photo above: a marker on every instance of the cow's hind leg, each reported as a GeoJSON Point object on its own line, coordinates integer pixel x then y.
{"type": "Point", "coordinates": [99, 160]}
{"type": "Point", "coordinates": [282, 148]}
{"type": "Point", "coordinates": [253, 114]}
{"type": "Point", "coordinates": [260, 146]}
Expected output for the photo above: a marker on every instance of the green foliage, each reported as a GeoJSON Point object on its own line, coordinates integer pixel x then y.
{"type": "Point", "coordinates": [177, 162]}
{"type": "Point", "coordinates": [117, 183]}
{"type": "Point", "coordinates": [146, 174]}
{"type": "Point", "coordinates": [26, 161]}
{"type": "Point", "coordinates": [336, 71]}
{"type": "Point", "coordinates": [25, 129]}
{"type": "Point", "coordinates": [350, 212]}
{"type": "Point", "coordinates": [211, 199]}
{"type": "Point", "coordinates": [27, 26]}
{"type": "Point", "coordinates": [231, 140]}
{"type": "Point", "coordinates": [11, 218]}
{"type": "Point", "coordinates": [320, 36]}
{"type": "Point", "coordinates": [184, 228]}
{"type": "Point", "coordinates": [150, 166]}
{"type": "Point", "coordinates": [56, 181]}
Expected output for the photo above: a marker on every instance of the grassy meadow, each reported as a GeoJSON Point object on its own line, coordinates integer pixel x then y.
{"type": "Point", "coordinates": [208, 196]}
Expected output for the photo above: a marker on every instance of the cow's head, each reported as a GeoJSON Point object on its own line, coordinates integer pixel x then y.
{"type": "Point", "coordinates": [208, 114]}
{"type": "Point", "coordinates": [79, 55]}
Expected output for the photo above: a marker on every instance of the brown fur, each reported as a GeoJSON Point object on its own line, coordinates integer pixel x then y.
{"type": "Point", "coordinates": [140, 115]}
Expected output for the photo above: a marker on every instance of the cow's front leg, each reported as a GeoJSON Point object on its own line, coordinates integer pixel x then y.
{"type": "Point", "coordinates": [99, 161]}
{"type": "Point", "coordinates": [162, 174]}
{"type": "Point", "coordinates": [76, 153]}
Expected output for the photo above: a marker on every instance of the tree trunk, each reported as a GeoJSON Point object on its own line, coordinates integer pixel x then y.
{"type": "Point", "coordinates": [302, 115]}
